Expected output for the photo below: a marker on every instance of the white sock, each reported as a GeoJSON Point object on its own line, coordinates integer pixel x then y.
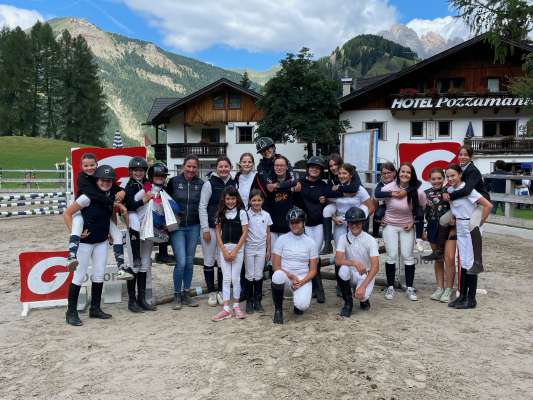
{"type": "Point", "coordinates": [227, 308]}
{"type": "Point", "coordinates": [235, 305]}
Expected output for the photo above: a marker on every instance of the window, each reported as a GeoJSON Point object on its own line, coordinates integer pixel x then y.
{"type": "Point", "coordinates": [218, 101]}
{"type": "Point", "coordinates": [444, 85]}
{"type": "Point", "coordinates": [417, 129]}
{"type": "Point", "coordinates": [245, 134]}
{"type": "Point", "coordinates": [211, 135]}
{"type": "Point", "coordinates": [380, 126]}
{"type": "Point", "coordinates": [235, 101]}
{"type": "Point", "coordinates": [444, 128]}
{"type": "Point", "coordinates": [493, 85]}
{"type": "Point", "coordinates": [499, 128]}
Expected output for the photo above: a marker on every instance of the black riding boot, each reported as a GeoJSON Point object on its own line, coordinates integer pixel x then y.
{"type": "Point", "coordinates": [135, 243]}
{"type": "Point", "coordinates": [328, 229]}
{"type": "Point", "coordinates": [477, 267]}
{"type": "Point", "coordinates": [346, 290]}
{"type": "Point", "coordinates": [132, 300]}
{"type": "Point", "coordinates": [462, 290]}
{"type": "Point", "coordinates": [249, 296]}
{"type": "Point", "coordinates": [337, 287]}
{"type": "Point", "coordinates": [244, 287]}
{"type": "Point", "coordinates": [390, 272]}
{"type": "Point", "coordinates": [470, 299]}
{"type": "Point", "coordinates": [277, 298]}
{"type": "Point", "coordinates": [317, 282]}
{"type": "Point", "coordinates": [258, 295]}
{"type": "Point", "coordinates": [96, 298]}
{"type": "Point", "coordinates": [71, 316]}
{"type": "Point", "coordinates": [141, 291]}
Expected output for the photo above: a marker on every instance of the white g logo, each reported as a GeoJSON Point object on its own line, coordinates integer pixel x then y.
{"type": "Point", "coordinates": [119, 161]}
{"type": "Point", "coordinates": [35, 277]}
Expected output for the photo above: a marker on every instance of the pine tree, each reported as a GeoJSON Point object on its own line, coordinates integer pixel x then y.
{"type": "Point", "coordinates": [245, 80]}
{"type": "Point", "coordinates": [37, 77]}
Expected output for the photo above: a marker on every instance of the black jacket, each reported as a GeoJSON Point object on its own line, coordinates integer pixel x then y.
{"type": "Point", "coordinates": [352, 187]}
{"type": "Point", "coordinates": [473, 180]}
{"type": "Point", "coordinates": [308, 200]}
{"type": "Point", "coordinates": [278, 203]}
{"type": "Point", "coordinates": [132, 187]}
{"type": "Point", "coordinates": [86, 184]}
{"type": "Point", "coordinates": [187, 195]}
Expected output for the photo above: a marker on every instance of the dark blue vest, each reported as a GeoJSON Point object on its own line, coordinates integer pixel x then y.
{"type": "Point", "coordinates": [217, 187]}
{"type": "Point", "coordinates": [96, 219]}
{"type": "Point", "coordinates": [231, 229]}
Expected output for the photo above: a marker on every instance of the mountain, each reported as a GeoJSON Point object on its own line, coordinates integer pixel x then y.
{"type": "Point", "coordinates": [425, 45]}
{"type": "Point", "coordinates": [366, 56]}
{"type": "Point", "coordinates": [134, 72]}
{"type": "Point", "coordinates": [259, 77]}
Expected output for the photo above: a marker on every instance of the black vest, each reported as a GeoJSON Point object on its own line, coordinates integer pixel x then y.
{"type": "Point", "coordinates": [96, 219]}
{"type": "Point", "coordinates": [217, 187]}
{"type": "Point", "coordinates": [231, 229]}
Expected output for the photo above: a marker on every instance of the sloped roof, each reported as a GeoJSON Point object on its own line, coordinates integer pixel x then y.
{"type": "Point", "coordinates": [160, 103]}
{"type": "Point", "coordinates": [170, 109]}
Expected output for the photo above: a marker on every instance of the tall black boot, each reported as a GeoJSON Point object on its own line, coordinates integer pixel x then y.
{"type": "Point", "coordinates": [162, 256]}
{"type": "Point", "coordinates": [328, 236]}
{"type": "Point", "coordinates": [71, 316]}
{"type": "Point", "coordinates": [470, 299]}
{"type": "Point", "coordinates": [317, 283]}
{"type": "Point", "coordinates": [249, 296]}
{"type": "Point", "coordinates": [477, 242]}
{"type": "Point", "coordinates": [135, 243]}
{"type": "Point", "coordinates": [462, 290]}
{"type": "Point", "coordinates": [209, 276]}
{"type": "Point", "coordinates": [244, 287]}
{"type": "Point", "coordinates": [220, 277]}
{"type": "Point", "coordinates": [277, 298]}
{"type": "Point", "coordinates": [96, 298]}
{"type": "Point", "coordinates": [141, 291]}
{"type": "Point", "coordinates": [337, 287]}
{"type": "Point", "coordinates": [132, 300]}
{"type": "Point", "coordinates": [258, 295]}
{"type": "Point", "coordinates": [346, 289]}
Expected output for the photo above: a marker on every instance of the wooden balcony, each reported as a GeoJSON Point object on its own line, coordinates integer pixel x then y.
{"type": "Point", "coordinates": [501, 145]}
{"type": "Point", "coordinates": [202, 150]}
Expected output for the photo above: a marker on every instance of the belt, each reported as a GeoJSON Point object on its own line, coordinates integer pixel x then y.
{"type": "Point", "coordinates": [463, 219]}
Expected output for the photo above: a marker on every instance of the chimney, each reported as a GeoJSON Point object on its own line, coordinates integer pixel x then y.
{"type": "Point", "coordinates": [346, 86]}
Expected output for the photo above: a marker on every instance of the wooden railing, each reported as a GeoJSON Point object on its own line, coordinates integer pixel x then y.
{"type": "Point", "coordinates": [181, 150]}
{"type": "Point", "coordinates": [501, 145]}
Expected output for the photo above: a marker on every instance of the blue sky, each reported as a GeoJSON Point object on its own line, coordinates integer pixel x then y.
{"type": "Point", "coordinates": [223, 33]}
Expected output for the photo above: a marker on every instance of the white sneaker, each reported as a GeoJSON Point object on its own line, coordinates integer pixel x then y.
{"type": "Point", "coordinates": [437, 294]}
{"type": "Point", "coordinates": [447, 295]}
{"type": "Point", "coordinates": [389, 293]}
{"type": "Point", "coordinates": [420, 245]}
{"type": "Point", "coordinates": [212, 301]}
{"type": "Point", "coordinates": [411, 294]}
{"type": "Point", "coordinates": [220, 300]}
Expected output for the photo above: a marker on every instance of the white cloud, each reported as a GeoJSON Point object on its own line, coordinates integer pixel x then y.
{"type": "Point", "coordinates": [264, 25]}
{"type": "Point", "coordinates": [448, 27]}
{"type": "Point", "coordinates": [12, 17]}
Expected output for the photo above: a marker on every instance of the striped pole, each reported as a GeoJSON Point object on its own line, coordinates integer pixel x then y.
{"type": "Point", "coordinates": [37, 211]}
{"type": "Point", "coordinates": [34, 203]}
{"type": "Point", "coordinates": [31, 196]}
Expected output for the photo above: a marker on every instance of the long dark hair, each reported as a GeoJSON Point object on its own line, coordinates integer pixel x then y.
{"type": "Point", "coordinates": [230, 191]}
{"type": "Point", "coordinates": [412, 196]}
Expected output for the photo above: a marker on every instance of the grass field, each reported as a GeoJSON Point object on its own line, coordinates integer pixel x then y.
{"type": "Point", "coordinates": [519, 213]}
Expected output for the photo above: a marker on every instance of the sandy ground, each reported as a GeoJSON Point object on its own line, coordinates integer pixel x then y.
{"type": "Point", "coordinates": [398, 350]}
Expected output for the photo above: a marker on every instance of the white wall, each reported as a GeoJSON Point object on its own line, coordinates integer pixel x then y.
{"type": "Point", "coordinates": [398, 129]}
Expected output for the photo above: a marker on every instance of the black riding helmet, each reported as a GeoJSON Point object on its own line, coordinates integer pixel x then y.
{"type": "Point", "coordinates": [355, 214]}
{"type": "Point", "coordinates": [295, 214]}
{"type": "Point", "coordinates": [105, 172]}
{"type": "Point", "coordinates": [263, 143]}
{"type": "Point", "coordinates": [316, 160]}
{"type": "Point", "coordinates": [138, 162]}
{"type": "Point", "coordinates": [158, 169]}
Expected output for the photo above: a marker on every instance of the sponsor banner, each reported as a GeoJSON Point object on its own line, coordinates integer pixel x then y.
{"type": "Point", "coordinates": [116, 158]}
{"type": "Point", "coordinates": [426, 156]}
{"type": "Point", "coordinates": [456, 102]}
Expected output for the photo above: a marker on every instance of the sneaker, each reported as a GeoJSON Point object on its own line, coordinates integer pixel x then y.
{"type": "Point", "coordinates": [389, 293]}
{"type": "Point", "coordinates": [419, 246]}
{"type": "Point", "coordinates": [221, 316]}
{"type": "Point", "coordinates": [239, 313]}
{"type": "Point", "coordinates": [212, 301]}
{"type": "Point", "coordinates": [437, 294]}
{"type": "Point", "coordinates": [411, 294]}
{"type": "Point", "coordinates": [435, 256]}
{"type": "Point", "coordinates": [220, 301]}
{"type": "Point", "coordinates": [72, 263]}
{"type": "Point", "coordinates": [124, 274]}
{"type": "Point", "coordinates": [447, 295]}
{"type": "Point", "coordinates": [177, 301]}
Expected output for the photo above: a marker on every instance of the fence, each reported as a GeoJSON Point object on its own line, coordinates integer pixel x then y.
{"type": "Point", "coordinates": [33, 179]}
{"type": "Point", "coordinates": [55, 202]}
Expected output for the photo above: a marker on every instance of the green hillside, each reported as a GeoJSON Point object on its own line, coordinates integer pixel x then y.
{"type": "Point", "coordinates": [18, 152]}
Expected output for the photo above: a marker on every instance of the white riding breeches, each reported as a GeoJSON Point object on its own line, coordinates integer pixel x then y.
{"type": "Point", "coordinates": [97, 253]}
{"type": "Point", "coordinates": [231, 273]}
{"type": "Point", "coordinates": [301, 296]}
{"type": "Point", "coordinates": [350, 273]}
{"type": "Point", "coordinates": [209, 249]}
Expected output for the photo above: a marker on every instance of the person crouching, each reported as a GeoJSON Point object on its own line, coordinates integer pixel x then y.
{"type": "Point", "coordinates": [358, 256]}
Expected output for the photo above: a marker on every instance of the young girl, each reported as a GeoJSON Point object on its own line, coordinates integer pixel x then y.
{"type": "Point", "coordinates": [245, 177]}
{"type": "Point", "coordinates": [436, 206]}
{"type": "Point", "coordinates": [388, 174]}
{"type": "Point", "coordinates": [93, 246]}
{"type": "Point", "coordinates": [256, 250]}
{"type": "Point", "coordinates": [399, 222]}
{"type": "Point", "coordinates": [463, 209]}
{"type": "Point", "coordinates": [86, 184]}
{"type": "Point", "coordinates": [231, 232]}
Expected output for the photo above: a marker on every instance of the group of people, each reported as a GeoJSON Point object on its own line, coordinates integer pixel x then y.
{"type": "Point", "coordinates": [266, 222]}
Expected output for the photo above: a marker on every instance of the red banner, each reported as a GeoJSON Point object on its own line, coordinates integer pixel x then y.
{"type": "Point", "coordinates": [44, 276]}
{"type": "Point", "coordinates": [116, 158]}
{"type": "Point", "coordinates": [426, 156]}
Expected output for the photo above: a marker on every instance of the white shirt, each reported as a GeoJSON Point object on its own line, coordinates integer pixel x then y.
{"type": "Point", "coordinates": [295, 252]}
{"type": "Point", "coordinates": [245, 185]}
{"type": "Point", "coordinates": [231, 214]}
{"type": "Point", "coordinates": [463, 207]}
{"type": "Point", "coordinates": [258, 222]}
{"type": "Point", "coordinates": [83, 201]}
{"type": "Point", "coordinates": [345, 203]}
{"type": "Point", "coordinates": [359, 248]}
